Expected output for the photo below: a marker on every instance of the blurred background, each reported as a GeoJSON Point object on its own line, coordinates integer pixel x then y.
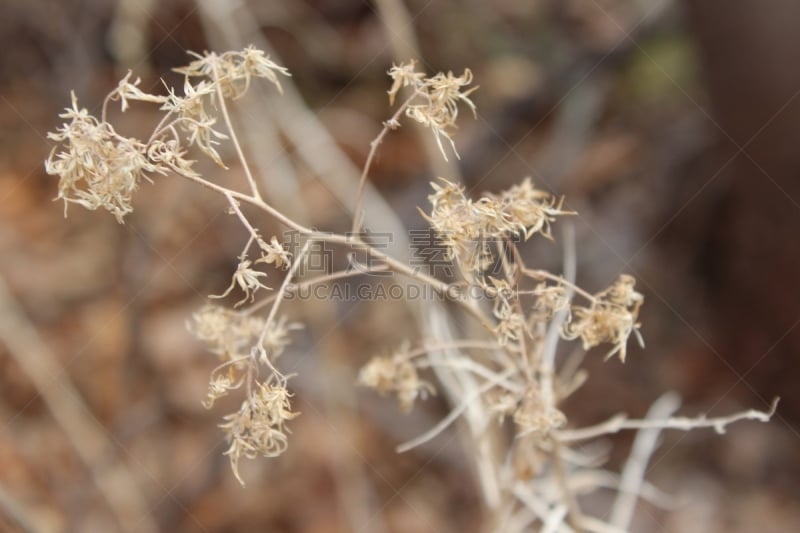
{"type": "Point", "coordinates": [672, 127]}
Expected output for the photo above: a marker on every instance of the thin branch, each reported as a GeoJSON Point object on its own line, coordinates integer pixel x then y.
{"type": "Point", "coordinates": [548, 362]}
{"type": "Point", "coordinates": [373, 149]}
{"type": "Point", "coordinates": [234, 139]}
{"type": "Point", "coordinates": [282, 291]}
{"type": "Point", "coordinates": [574, 514]}
{"type": "Point", "coordinates": [621, 422]}
{"type": "Point", "coordinates": [453, 415]}
{"type": "Point", "coordinates": [477, 369]}
{"type": "Point", "coordinates": [298, 260]}
{"type": "Point", "coordinates": [280, 217]}
{"type": "Point", "coordinates": [254, 236]}
{"type": "Point", "coordinates": [543, 274]}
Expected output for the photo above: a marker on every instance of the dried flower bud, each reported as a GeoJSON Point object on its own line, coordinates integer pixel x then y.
{"type": "Point", "coordinates": [233, 71]}
{"type": "Point", "coordinates": [550, 299]}
{"type": "Point", "coordinates": [257, 428]}
{"type": "Point", "coordinates": [274, 252]}
{"type": "Point", "coordinates": [610, 318]}
{"type": "Point", "coordinates": [440, 95]}
{"type": "Point", "coordinates": [464, 224]}
{"type": "Point", "coordinates": [127, 90]}
{"type": "Point", "coordinates": [220, 385]}
{"type": "Point", "coordinates": [395, 373]}
{"type": "Point", "coordinates": [96, 166]}
{"type": "Point", "coordinates": [533, 416]}
{"type": "Point", "coordinates": [247, 279]}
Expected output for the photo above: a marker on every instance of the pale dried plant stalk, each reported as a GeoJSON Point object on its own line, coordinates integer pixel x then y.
{"type": "Point", "coordinates": [523, 312]}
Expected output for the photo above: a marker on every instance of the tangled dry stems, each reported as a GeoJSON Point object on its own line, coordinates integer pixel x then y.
{"type": "Point", "coordinates": [521, 313]}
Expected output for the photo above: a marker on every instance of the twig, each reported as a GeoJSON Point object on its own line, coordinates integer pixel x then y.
{"type": "Point", "coordinates": [547, 368]}
{"type": "Point", "coordinates": [453, 415]}
{"type": "Point", "coordinates": [326, 278]}
{"type": "Point", "coordinates": [543, 274]}
{"type": "Point", "coordinates": [547, 373]}
{"type": "Point", "coordinates": [298, 260]}
{"type": "Point", "coordinates": [621, 422]}
{"type": "Point", "coordinates": [373, 149]}
{"type": "Point", "coordinates": [574, 514]}
{"type": "Point", "coordinates": [234, 139]}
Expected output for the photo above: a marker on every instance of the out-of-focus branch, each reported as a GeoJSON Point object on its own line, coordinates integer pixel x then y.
{"type": "Point", "coordinates": [114, 481]}
{"type": "Point", "coordinates": [636, 466]}
{"type": "Point", "coordinates": [620, 422]}
{"type": "Point", "coordinates": [19, 514]}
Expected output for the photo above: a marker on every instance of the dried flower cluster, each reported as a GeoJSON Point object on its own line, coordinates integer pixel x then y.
{"type": "Point", "coordinates": [233, 71]}
{"type": "Point", "coordinates": [439, 95]}
{"type": "Point", "coordinates": [97, 167]}
{"type": "Point", "coordinates": [511, 371]}
{"type": "Point", "coordinates": [257, 428]}
{"type": "Point", "coordinates": [396, 373]}
{"type": "Point", "coordinates": [231, 335]}
{"type": "Point", "coordinates": [611, 317]}
{"type": "Point", "coordinates": [467, 227]}
{"type": "Point", "coordinates": [244, 343]}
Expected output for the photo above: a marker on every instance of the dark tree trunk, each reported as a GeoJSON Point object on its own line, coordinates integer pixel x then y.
{"type": "Point", "coordinates": [750, 56]}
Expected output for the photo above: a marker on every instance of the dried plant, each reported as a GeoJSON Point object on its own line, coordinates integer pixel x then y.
{"type": "Point", "coordinates": [531, 474]}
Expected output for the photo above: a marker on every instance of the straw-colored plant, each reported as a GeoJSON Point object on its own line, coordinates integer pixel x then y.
{"type": "Point", "coordinates": [531, 473]}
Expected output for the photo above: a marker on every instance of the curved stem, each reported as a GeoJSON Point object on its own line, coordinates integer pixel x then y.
{"type": "Point", "coordinates": [392, 263]}
{"type": "Point", "coordinates": [373, 148]}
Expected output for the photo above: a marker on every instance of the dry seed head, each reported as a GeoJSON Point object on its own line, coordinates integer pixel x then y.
{"type": "Point", "coordinates": [169, 154]}
{"type": "Point", "coordinates": [273, 252]}
{"type": "Point", "coordinates": [220, 384]}
{"type": "Point", "coordinates": [550, 299]}
{"type": "Point", "coordinates": [404, 75]}
{"type": "Point", "coordinates": [96, 166]}
{"type": "Point", "coordinates": [127, 90]}
{"type": "Point", "coordinates": [226, 333]}
{"type": "Point", "coordinates": [509, 322]}
{"type": "Point", "coordinates": [529, 210]}
{"type": "Point", "coordinates": [234, 71]}
{"type": "Point", "coordinates": [257, 428]}
{"type": "Point", "coordinates": [610, 318]}
{"type": "Point", "coordinates": [439, 95]}
{"type": "Point", "coordinates": [247, 279]}
{"type": "Point", "coordinates": [195, 119]}
{"type": "Point", "coordinates": [232, 335]}
{"type": "Point", "coordinates": [463, 223]}
{"type": "Point", "coordinates": [395, 373]}
{"type": "Point", "coordinates": [533, 416]}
